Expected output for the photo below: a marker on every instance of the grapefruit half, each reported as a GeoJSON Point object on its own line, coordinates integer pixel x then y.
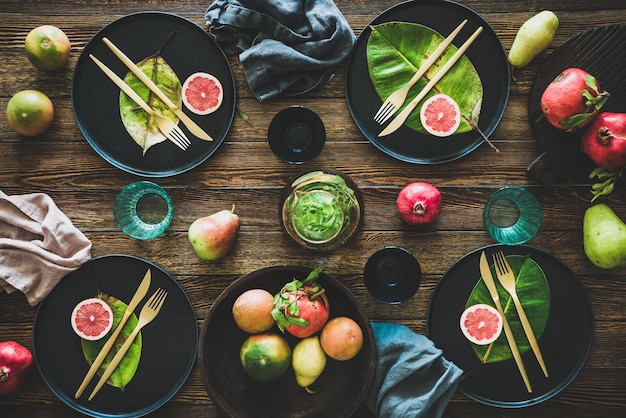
{"type": "Point", "coordinates": [202, 93]}
{"type": "Point", "coordinates": [92, 319]}
{"type": "Point", "coordinates": [481, 324]}
{"type": "Point", "coordinates": [440, 115]}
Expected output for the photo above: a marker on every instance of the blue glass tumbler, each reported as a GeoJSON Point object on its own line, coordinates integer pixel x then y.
{"type": "Point", "coordinates": [512, 215]}
{"type": "Point", "coordinates": [143, 210]}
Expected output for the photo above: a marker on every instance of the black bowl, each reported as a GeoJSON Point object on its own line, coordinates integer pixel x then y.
{"type": "Point", "coordinates": [392, 275]}
{"type": "Point", "coordinates": [340, 389]}
{"type": "Point", "coordinates": [296, 135]}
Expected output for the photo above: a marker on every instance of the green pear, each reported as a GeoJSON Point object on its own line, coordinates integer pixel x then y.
{"type": "Point", "coordinates": [213, 236]}
{"type": "Point", "coordinates": [604, 237]}
{"type": "Point", "coordinates": [308, 361]}
{"type": "Point", "coordinates": [533, 37]}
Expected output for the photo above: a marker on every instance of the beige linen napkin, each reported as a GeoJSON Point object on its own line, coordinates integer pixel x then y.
{"type": "Point", "coordinates": [39, 245]}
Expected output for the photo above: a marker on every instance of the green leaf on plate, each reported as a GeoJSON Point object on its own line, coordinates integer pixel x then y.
{"type": "Point", "coordinates": [128, 366]}
{"type": "Point", "coordinates": [141, 126]}
{"type": "Point", "coordinates": [534, 294]}
{"type": "Point", "coordinates": [396, 50]}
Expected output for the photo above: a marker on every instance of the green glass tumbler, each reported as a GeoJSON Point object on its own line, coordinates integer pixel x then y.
{"type": "Point", "coordinates": [512, 215]}
{"type": "Point", "coordinates": [143, 210]}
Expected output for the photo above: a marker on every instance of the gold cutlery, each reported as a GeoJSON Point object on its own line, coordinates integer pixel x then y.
{"type": "Point", "coordinates": [190, 124]}
{"type": "Point", "coordinates": [147, 314]}
{"type": "Point", "coordinates": [507, 280]}
{"type": "Point", "coordinates": [485, 272]}
{"type": "Point", "coordinates": [165, 125]}
{"type": "Point", "coordinates": [402, 116]}
{"type": "Point", "coordinates": [396, 99]}
{"type": "Point", "coordinates": [137, 297]}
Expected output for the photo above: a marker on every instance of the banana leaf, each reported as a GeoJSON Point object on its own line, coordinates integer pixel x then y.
{"type": "Point", "coordinates": [124, 373]}
{"type": "Point", "coordinates": [396, 50]}
{"type": "Point", "coordinates": [534, 294]}
{"type": "Point", "coordinates": [141, 126]}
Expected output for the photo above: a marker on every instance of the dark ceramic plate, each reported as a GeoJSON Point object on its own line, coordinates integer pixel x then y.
{"type": "Point", "coordinates": [594, 51]}
{"type": "Point", "coordinates": [487, 55]}
{"type": "Point", "coordinates": [565, 343]}
{"type": "Point", "coordinates": [169, 342]}
{"type": "Point", "coordinates": [339, 390]}
{"type": "Point", "coordinates": [95, 98]}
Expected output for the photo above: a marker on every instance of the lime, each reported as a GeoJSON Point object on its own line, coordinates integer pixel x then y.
{"type": "Point", "coordinates": [30, 112]}
{"type": "Point", "coordinates": [47, 47]}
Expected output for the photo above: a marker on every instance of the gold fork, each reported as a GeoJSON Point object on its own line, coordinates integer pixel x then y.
{"type": "Point", "coordinates": [507, 280]}
{"type": "Point", "coordinates": [147, 314]}
{"type": "Point", "coordinates": [397, 98]}
{"type": "Point", "coordinates": [171, 130]}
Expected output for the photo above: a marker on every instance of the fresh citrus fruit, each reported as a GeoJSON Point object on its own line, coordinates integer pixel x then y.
{"type": "Point", "coordinates": [481, 324]}
{"type": "Point", "coordinates": [440, 115]}
{"type": "Point", "coordinates": [47, 47]}
{"type": "Point", "coordinates": [265, 357]}
{"type": "Point", "coordinates": [341, 338]}
{"type": "Point", "coordinates": [30, 112]}
{"type": "Point", "coordinates": [252, 311]}
{"type": "Point", "coordinates": [92, 319]}
{"type": "Point", "coordinates": [202, 93]}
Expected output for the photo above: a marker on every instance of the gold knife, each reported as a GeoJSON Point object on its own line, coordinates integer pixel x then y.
{"type": "Point", "coordinates": [190, 124]}
{"type": "Point", "coordinates": [485, 272]}
{"type": "Point", "coordinates": [402, 116]}
{"type": "Point", "coordinates": [139, 295]}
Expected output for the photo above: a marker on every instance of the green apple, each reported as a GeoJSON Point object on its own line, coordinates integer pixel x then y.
{"type": "Point", "coordinates": [604, 237]}
{"type": "Point", "coordinates": [212, 237]}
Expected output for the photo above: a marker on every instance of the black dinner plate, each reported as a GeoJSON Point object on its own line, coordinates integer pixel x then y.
{"type": "Point", "coordinates": [486, 54]}
{"type": "Point", "coordinates": [169, 342]}
{"type": "Point", "coordinates": [595, 51]}
{"type": "Point", "coordinates": [95, 98]}
{"type": "Point", "coordinates": [565, 343]}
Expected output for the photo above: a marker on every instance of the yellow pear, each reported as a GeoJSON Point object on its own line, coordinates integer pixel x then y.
{"type": "Point", "coordinates": [533, 37]}
{"type": "Point", "coordinates": [308, 361]}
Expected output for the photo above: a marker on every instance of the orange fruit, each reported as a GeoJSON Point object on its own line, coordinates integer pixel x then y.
{"type": "Point", "coordinates": [265, 357]}
{"type": "Point", "coordinates": [47, 47]}
{"type": "Point", "coordinates": [341, 338]}
{"type": "Point", "coordinates": [481, 324]}
{"type": "Point", "coordinates": [202, 93]}
{"type": "Point", "coordinates": [92, 319]}
{"type": "Point", "coordinates": [252, 311]}
{"type": "Point", "coordinates": [30, 112]}
{"type": "Point", "coordinates": [440, 115]}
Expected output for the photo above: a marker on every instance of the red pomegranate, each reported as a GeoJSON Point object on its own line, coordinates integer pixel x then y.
{"type": "Point", "coordinates": [15, 364]}
{"type": "Point", "coordinates": [301, 307]}
{"type": "Point", "coordinates": [572, 99]}
{"type": "Point", "coordinates": [604, 141]}
{"type": "Point", "coordinates": [419, 203]}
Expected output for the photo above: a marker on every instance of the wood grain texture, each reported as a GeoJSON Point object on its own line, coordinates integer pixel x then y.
{"type": "Point", "coordinates": [61, 163]}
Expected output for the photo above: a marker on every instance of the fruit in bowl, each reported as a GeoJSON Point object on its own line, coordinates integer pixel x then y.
{"type": "Point", "coordinates": [340, 387]}
{"type": "Point", "coordinates": [604, 141]}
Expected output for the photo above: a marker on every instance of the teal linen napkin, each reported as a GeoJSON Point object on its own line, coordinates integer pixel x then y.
{"type": "Point", "coordinates": [412, 377]}
{"type": "Point", "coordinates": [287, 48]}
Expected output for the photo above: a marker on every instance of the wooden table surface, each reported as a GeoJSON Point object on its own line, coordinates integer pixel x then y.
{"type": "Point", "coordinates": [244, 171]}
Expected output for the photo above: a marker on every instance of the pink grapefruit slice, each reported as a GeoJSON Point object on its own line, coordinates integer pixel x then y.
{"type": "Point", "coordinates": [440, 115]}
{"type": "Point", "coordinates": [481, 324]}
{"type": "Point", "coordinates": [92, 319]}
{"type": "Point", "coordinates": [202, 93]}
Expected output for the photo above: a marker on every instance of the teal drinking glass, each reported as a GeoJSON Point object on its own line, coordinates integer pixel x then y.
{"type": "Point", "coordinates": [143, 210]}
{"type": "Point", "coordinates": [512, 215]}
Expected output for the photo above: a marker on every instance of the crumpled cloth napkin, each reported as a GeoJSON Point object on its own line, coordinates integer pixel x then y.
{"type": "Point", "coordinates": [287, 48]}
{"type": "Point", "coordinates": [39, 245]}
{"type": "Point", "coordinates": [412, 377]}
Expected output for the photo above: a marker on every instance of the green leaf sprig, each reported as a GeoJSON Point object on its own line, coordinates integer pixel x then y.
{"type": "Point", "coordinates": [606, 181]}
{"type": "Point", "coordinates": [286, 310]}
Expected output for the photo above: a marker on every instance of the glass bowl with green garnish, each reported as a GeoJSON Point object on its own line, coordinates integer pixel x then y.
{"type": "Point", "coordinates": [322, 210]}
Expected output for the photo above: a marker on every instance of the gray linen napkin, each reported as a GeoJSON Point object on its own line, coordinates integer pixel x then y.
{"type": "Point", "coordinates": [412, 377]}
{"type": "Point", "coordinates": [39, 245]}
{"type": "Point", "coordinates": [287, 47]}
